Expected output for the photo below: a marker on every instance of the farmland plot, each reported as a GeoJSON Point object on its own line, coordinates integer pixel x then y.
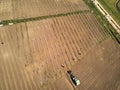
{"type": "Point", "coordinates": [99, 69]}
{"type": "Point", "coordinates": [62, 41]}
{"type": "Point", "coordinates": [17, 9]}
{"type": "Point", "coordinates": [35, 53]}
{"type": "Point", "coordinates": [6, 9]}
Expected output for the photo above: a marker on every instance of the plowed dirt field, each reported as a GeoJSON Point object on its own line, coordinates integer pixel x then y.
{"type": "Point", "coordinates": [19, 9]}
{"type": "Point", "coordinates": [35, 54]}
{"type": "Point", "coordinates": [100, 69]}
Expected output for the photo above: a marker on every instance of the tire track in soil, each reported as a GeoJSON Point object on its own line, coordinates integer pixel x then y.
{"type": "Point", "coordinates": [67, 40]}
{"type": "Point", "coordinates": [30, 79]}
{"type": "Point", "coordinates": [20, 53]}
{"type": "Point", "coordinates": [61, 44]}
{"type": "Point", "coordinates": [96, 28]}
{"type": "Point", "coordinates": [87, 30]}
{"type": "Point", "coordinates": [86, 36]}
{"type": "Point", "coordinates": [9, 63]}
{"type": "Point", "coordinates": [76, 31]}
{"type": "Point", "coordinates": [57, 52]}
{"type": "Point", "coordinates": [49, 52]}
{"type": "Point", "coordinates": [70, 36]}
{"type": "Point", "coordinates": [73, 33]}
{"type": "Point", "coordinates": [12, 38]}
{"type": "Point", "coordinates": [52, 43]}
{"type": "Point", "coordinates": [34, 78]}
{"type": "Point", "coordinates": [62, 39]}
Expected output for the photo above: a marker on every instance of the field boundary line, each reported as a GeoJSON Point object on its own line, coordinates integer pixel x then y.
{"type": "Point", "coordinates": [15, 21]}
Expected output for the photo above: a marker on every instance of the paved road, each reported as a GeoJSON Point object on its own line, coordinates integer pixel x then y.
{"type": "Point", "coordinates": [107, 16]}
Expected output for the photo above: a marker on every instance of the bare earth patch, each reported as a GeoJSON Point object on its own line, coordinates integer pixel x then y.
{"type": "Point", "coordinates": [100, 69]}
{"type": "Point", "coordinates": [19, 9]}
{"type": "Point", "coordinates": [36, 54]}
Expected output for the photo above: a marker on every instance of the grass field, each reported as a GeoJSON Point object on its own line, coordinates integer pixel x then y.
{"type": "Point", "coordinates": [103, 21]}
{"type": "Point", "coordinates": [109, 5]}
{"type": "Point", "coordinates": [119, 4]}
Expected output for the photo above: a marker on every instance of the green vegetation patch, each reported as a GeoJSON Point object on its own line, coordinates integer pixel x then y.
{"type": "Point", "coordinates": [119, 5]}
{"type": "Point", "coordinates": [109, 5]}
{"type": "Point", "coordinates": [6, 22]}
{"type": "Point", "coordinates": [108, 28]}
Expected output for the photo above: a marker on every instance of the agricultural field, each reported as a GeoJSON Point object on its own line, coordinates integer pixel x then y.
{"type": "Point", "coordinates": [100, 69]}
{"type": "Point", "coordinates": [109, 5]}
{"type": "Point", "coordinates": [34, 55]}
{"type": "Point", "coordinates": [20, 9]}
{"type": "Point", "coordinates": [97, 70]}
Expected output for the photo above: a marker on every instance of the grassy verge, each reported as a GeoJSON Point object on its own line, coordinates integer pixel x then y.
{"type": "Point", "coordinates": [119, 5]}
{"type": "Point", "coordinates": [109, 29]}
{"type": "Point", "coordinates": [109, 5]}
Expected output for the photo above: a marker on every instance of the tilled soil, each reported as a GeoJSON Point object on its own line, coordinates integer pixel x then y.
{"type": "Point", "coordinates": [35, 54]}
{"type": "Point", "coordinates": [100, 69]}
{"type": "Point", "coordinates": [20, 9]}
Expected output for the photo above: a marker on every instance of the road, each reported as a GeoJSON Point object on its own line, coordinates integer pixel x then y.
{"type": "Point", "coordinates": [107, 16]}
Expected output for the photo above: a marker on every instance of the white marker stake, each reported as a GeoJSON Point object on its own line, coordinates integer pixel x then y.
{"type": "Point", "coordinates": [10, 23]}
{"type": "Point", "coordinates": [1, 25]}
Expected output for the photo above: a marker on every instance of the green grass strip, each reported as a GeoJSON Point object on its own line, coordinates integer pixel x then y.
{"type": "Point", "coordinates": [111, 9]}
{"type": "Point", "coordinates": [6, 22]}
{"type": "Point", "coordinates": [109, 29]}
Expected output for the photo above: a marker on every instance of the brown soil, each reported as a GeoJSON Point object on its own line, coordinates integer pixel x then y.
{"type": "Point", "coordinates": [35, 54]}
{"type": "Point", "coordinates": [100, 69]}
{"type": "Point", "coordinates": [17, 9]}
